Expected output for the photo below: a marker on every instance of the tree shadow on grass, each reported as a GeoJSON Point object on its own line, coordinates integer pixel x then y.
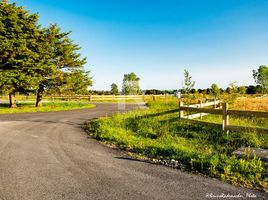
{"type": "Point", "coordinates": [4, 105]}
{"type": "Point", "coordinates": [18, 104]}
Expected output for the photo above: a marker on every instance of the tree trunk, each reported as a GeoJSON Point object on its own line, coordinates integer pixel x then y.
{"type": "Point", "coordinates": [12, 100]}
{"type": "Point", "coordinates": [39, 96]}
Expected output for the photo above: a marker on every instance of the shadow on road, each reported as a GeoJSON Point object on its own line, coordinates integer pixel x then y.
{"type": "Point", "coordinates": [131, 159]}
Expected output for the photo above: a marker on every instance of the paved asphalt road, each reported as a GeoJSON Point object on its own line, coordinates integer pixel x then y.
{"type": "Point", "coordinates": [49, 156]}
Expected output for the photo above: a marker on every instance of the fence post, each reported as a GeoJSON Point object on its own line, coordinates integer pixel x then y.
{"type": "Point", "coordinates": [215, 105]}
{"type": "Point", "coordinates": [225, 118]}
{"type": "Point", "coordinates": [90, 97]}
{"type": "Point", "coordinates": [200, 104]}
{"type": "Point", "coordinates": [181, 111]}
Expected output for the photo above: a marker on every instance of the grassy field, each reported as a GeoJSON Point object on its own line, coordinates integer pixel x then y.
{"type": "Point", "coordinates": [157, 133]}
{"type": "Point", "coordinates": [251, 104]}
{"type": "Point", "coordinates": [23, 106]}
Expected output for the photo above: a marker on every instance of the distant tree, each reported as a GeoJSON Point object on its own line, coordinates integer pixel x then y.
{"type": "Point", "coordinates": [261, 77]}
{"type": "Point", "coordinates": [259, 89]}
{"type": "Point", "coordinates": [99, 92]}
{"type": "Point", "coordinates": [114, 89]}
{"type": "Point", "coordinates": [208, 91]}
{"type": "Point", "coordinates": [193, 91]}
{"type": "Point", "coordinates": [155, 92]}
{"type": "Point", "coordinates": [130, 84]}
{"type": "Point", "coordinates": [188, 84]}
{"type": "Point", "coordinates": [199, 91]}
{"type": "Point", "coordinates": [232, 88]}
{"type": "Point", "coordinates": [215, 90]}
{"type": "Point", "coordinates": [93, 92]}
{"type": "Point", "coordinates": [251, 89]}
{"type": "Point", "coordinates": [242, 89]}
{"type": "Point", "coordinates": [183, 91]}
{"type": "Point", "coordinates": [232, 93]}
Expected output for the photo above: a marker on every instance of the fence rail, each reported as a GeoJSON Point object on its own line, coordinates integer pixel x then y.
{"type": "Point", "coordinates": [243, 113]}
{"type": "Point", "coordinates": [94, 97]}
{"type": "Point", "coordinates": [225, 112]}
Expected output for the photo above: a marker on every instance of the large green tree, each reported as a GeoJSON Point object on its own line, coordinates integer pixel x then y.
{"type": "Point", "coordinates": [19, 49]}
{"type": "Point", "coordinates": [130, 84]}
{"type": "Point", "coordinates": [35, 58]}
{"type": "Point", "coordinates": [261, 77]}
{"type": "Point", "coordinates": [64, 60]}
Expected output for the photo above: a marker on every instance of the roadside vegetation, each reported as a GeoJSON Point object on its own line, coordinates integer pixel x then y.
{"type": "Point", "coordinates": [24, 107]}
{"type": "Point", "coordinates": [158, 133]}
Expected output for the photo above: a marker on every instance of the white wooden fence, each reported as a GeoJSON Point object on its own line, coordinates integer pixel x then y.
{"type": "Point", "coordinates": [221, 110]}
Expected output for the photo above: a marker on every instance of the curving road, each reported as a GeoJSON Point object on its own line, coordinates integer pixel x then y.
{"type": "Point", "coordinates": [49, 156]}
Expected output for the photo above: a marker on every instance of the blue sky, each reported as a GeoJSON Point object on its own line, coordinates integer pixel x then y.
{"type": "Point", "coordinates": [218, 41]}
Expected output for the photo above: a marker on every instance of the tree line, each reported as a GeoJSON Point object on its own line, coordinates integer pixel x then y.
{"type": "Point", "coordinates": [130, 86]}
{"type": "Point", "coordinates": [260, 77]}
{"type": "Point", "coordinates": [251, 89]}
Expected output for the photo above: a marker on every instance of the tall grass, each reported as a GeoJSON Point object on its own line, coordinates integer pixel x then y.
{"type": "Point", "coordinates": [251, 104]}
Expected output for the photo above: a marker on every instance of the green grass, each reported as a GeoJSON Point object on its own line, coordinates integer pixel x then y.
{"type": "Point", "coordinates": [23, 107]}
{"type": "Point", "coordinates": [157, 133]}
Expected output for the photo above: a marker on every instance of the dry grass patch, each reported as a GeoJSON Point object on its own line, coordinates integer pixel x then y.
{"type": "Point", "coordinates": [252, 104]}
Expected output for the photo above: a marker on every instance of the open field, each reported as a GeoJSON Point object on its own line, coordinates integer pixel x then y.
{"type": "Point", "coordinates": [239, 121]}
{"type": "Point", "coordinates": [258, 104]}
{"type": "Point", "coordinates": [158, 133]}
{"type": "Point", "coordinates": [229, 116]}
{"type": "Point", "coordinates": [23, 106]}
